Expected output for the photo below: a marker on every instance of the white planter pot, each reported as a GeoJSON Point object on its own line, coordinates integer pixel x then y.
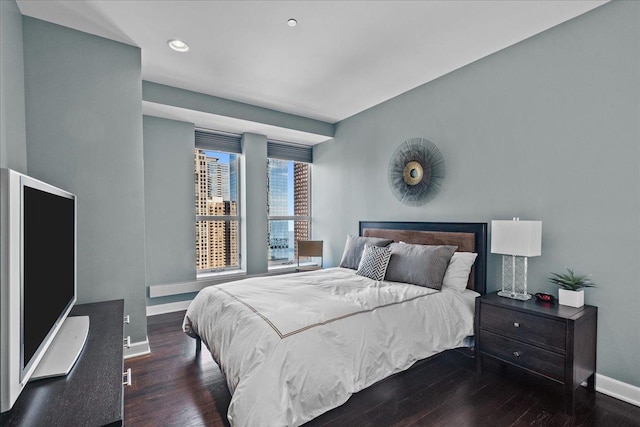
{"type": "Point", "coordinates": [571, 298]}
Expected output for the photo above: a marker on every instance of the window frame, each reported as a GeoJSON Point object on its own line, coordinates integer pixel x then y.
{"type": "Point", "coordinates": [271, 265]}
{"type": "Point", "coordinates": [209, 147]}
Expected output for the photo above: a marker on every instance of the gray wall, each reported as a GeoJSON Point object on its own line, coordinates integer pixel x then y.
{"type": "Point", "coordinates": [13, 148]}
{"type": "Point", "coordinates": [168, 95]}
{"type": "Point", "coordinates": [253, 206]}
{"type": "Point", "coordinates": [84, 131]}
{"type": "Point", "coordinates": [169, 201]}
{"type": "Point", "coordinates": [547, 129]}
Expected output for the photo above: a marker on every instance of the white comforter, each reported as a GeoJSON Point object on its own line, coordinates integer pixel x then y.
{"type": "Point", "coordinates": [295, 346]}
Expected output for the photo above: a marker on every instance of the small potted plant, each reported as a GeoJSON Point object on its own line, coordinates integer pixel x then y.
{"type": "Point", "coordinates": [572, 286]}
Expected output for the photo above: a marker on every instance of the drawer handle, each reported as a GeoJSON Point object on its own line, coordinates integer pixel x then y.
{"type": "Point", "coordinates": [127, 342]}
{"type": "Point", "coordinates": [516, 353]}
{"type": "Point", "coordinates": [126, 380]}
{"type": "Point", "coordinates": [516, 324]}
{"type": "Point", "coordinates": [127, 320]}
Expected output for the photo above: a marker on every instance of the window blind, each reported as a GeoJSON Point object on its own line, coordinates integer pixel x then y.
{"type": "Point", "coordinates": [227, 143]}
{"type": "Point", "coordinates": [289, 151]}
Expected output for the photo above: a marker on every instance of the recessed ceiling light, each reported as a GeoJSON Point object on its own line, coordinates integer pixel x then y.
{"type": "Point", "coordinates": [292, 22]}
{"type": "Point", "coordinates": [178, 45]}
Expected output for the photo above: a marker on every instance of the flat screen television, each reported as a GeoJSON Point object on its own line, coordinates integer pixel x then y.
{"type": "Point", "coordinates": [38, 284]}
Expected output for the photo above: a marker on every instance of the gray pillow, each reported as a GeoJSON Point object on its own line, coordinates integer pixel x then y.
{"type": "Point", "coordinates": [354, 247]}
{"type": "Point", "coordinates": [422, 265]}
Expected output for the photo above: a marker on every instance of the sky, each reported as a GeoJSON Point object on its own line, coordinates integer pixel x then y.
{"type": "Point", "coordinates": [222, 157]}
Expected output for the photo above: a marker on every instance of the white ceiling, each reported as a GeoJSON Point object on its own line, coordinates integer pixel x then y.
{"type": "Point", "coordinates": [342, 58]}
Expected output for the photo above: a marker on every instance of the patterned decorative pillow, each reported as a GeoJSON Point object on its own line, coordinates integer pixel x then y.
{"type": "Point", "coordinates": [374, 262]}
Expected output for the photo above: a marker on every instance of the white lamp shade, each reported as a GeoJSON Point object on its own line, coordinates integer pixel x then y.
{"type": "Point", "coordinates": [520, 238]}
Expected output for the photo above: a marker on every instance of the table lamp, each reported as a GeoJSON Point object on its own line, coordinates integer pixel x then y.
{"type": "Point", "coordinates": [516, 240]}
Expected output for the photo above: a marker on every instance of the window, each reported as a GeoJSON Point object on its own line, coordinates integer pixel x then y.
{"type": "Point", "coordinates": [217, 212]}
{"type": "Point", "coordinates": [288, 200]}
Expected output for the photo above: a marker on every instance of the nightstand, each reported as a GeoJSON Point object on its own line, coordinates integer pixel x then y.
{"type": "Point", "coordinates": [552, 341]}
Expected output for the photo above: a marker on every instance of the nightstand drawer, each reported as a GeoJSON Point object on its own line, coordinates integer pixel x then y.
{"type": "Point", "coordinates": [525, 327]}
{"type": "Point", "coordinates": [541, 361]}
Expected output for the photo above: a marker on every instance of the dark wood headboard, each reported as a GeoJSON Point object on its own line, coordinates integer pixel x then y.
{"type": "Point", "coordinates": [468, 236]}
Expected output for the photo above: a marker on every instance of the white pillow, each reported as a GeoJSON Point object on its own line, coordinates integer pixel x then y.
{"type": "Point", "coordinates": [457, 274]}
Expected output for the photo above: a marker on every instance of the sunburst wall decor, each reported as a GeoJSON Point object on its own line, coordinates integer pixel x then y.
{"type": "Point", "coordinates": [416, 171]}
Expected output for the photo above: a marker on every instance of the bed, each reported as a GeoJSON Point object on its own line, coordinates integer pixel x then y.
{"type": "Point", "coordinates": [294, 346]}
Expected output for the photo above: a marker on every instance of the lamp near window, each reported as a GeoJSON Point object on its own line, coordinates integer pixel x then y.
{"type": "Point", "coordinates": [516, 240]}
{"type": "Point", "coordinates": [309, 249]}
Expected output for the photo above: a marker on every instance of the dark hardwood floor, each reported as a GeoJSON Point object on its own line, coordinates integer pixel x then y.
{"type": "Point", "coordinates": [173, 387]}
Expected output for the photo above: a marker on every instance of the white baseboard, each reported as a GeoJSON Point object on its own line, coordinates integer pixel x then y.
{"type": "Point", "coordinates": [137, 349]}
{"type": "Point", "coordinates": [168, 289]}
{"type": "Point", "coordinates": [170, 307]}
{"type": "Point", "coordinates": [617, 389]}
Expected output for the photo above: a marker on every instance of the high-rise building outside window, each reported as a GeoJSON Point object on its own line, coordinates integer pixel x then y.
{"type": "Point", "coordinates": [217, 214]}
{"type": "Point", "coordinates": [288, 208]}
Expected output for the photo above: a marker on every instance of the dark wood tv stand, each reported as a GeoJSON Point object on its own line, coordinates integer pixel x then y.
{"type": "Point", "coordinates": [92, 394]}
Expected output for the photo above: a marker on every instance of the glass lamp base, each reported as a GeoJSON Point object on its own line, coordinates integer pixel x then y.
{"type": "Point", "coordinates": [514, 278]}
{"type": "Point", "coordinates": [514, 295]}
